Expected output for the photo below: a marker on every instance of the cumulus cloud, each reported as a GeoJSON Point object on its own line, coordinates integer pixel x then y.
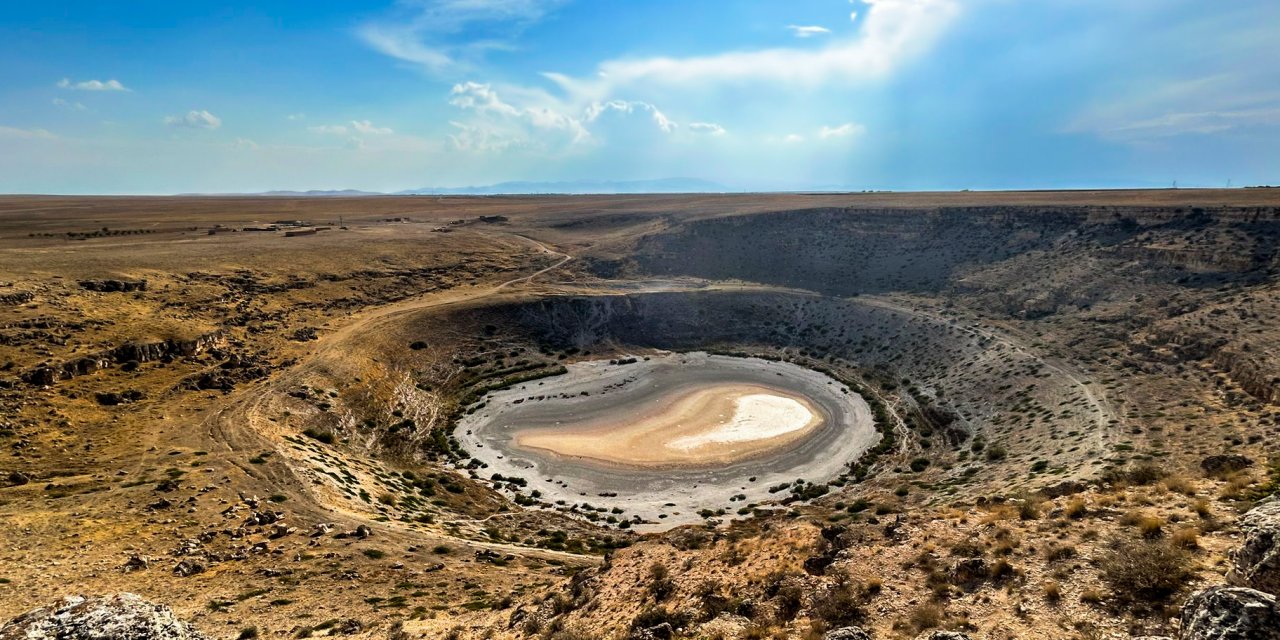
{"type": "Point", "coordinates": [483, 100]}
{"type": "Point", "coordinates": [195, 120]}
{"type": "Point", "coordinates": [841, 131]}
{"type": "Point", "coordinates": [595, 110]}
{"type": "Point", "coordinates": [92, 85]}
{"type": "Point", "coordinates": [709, 128]}
{"type": "Point", "coordinates": [801, 31]}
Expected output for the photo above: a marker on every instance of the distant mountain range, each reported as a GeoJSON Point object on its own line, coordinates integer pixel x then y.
{"type": "Point", "coordinates": [580, 187]}
{"type": "Point", "coordinates": [573, 187]}
{"type": "Point", "coordinates": [340, 193]}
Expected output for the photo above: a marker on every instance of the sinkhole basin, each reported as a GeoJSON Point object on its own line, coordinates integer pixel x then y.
{"type": "Point", "coordinates": [666, 437]}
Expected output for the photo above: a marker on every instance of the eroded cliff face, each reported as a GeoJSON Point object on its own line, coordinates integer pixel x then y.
{"type": "Point", "coordinates": [1170, 285]}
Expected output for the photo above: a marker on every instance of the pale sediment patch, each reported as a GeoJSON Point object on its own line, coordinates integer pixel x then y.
{"type": "Point", "coordinates": [757, 416]}
{"type": "Point", "coordinates": [696, 425]}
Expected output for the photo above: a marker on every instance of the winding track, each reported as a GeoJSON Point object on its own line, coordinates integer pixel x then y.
{"type": "Point", "coordinates": [243, 424]}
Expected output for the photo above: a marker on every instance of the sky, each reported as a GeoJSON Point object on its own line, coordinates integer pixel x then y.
{"type": "Point", "coordinates": [157, 97]}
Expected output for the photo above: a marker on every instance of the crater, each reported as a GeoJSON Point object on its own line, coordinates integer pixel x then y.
{"type": "Point", "coordinates": [664, 437]}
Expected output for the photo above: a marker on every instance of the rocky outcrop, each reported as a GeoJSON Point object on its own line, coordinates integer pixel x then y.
{"type": "Point", "coordinates": [17, 298]}
{"type": "Point", "coordinates": [1230, 613]}
{"type": "Point", "coordinates": [1256, 563]}
{"type": "Point", "coordinates": [113, 286]}
{"type": "Point", "coordinates": [113, 617]}
{"type": "Point", "coordinates": [133, 352]}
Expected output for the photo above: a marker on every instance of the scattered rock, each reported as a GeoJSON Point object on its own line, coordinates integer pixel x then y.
{"type": "Point", "coordinates": [969, 572]}
{"type": "Point", "coordinates": [1231, 613]}
{"type": "Point", "coordinates": [847, 633]}
{"type": "Point", "coordinates": [1065, 488]}
{"type": "Point", "coordinates": [18, 478]}
{"type": "Point", "coordinates": [114, 617]}
{"type": "Point", "coordinates": [111, 398]}
{"type": "Point", "coordinates": [305, 334]}
{"type": "Point", "coordinates": [259, 518]}
{"type": "Point", "coordinates": [363, 531]}
{"type": "Point", "coordinates": [1256, 563]}
{"type": "Point", "coordinates": [658, 632]}
{"type": "Point", "coordinates": [1221, 465]}
{"type": "Point", "coordinates": [136, 563]}
{"type": "Point", "coordinates": [186, 568]}
{"type": "Point", "coordinates": [942, 635]}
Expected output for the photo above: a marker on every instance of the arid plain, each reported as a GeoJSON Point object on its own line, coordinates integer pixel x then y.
{"type": "Point", "coordinates": [246, 409]}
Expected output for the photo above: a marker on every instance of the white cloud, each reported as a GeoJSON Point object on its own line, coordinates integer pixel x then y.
{"type": "Point", "coordinates": [329, 129]}
{"type": "Point", "coordinates": [245, 143]}
{"type": "Point", "coordinates": [793, 138]}
{"type": "Point", "coordinates": [709, 128]}
{"type": "Point", "coordinates": [801, 31]}
{"type": "Point", "coordinates": [294, 117]}
{"type": "Point", "coordinates": [25, 134]}
{"type": "Point", "coordinates": [483, 100]}
{"type": "Point", "coordinates": [841, 131]}
{"type": "Point", "coordinates": [595, 110]}
{"type": "Point", "coordinates": [72, 106]}
{"type": "Point", "coordinates": [894, 32]}
{"type": "Point", "coordinates": [92, 85]}
{"type": "Point", "coordinates": [366, 127]}
{"type": "Point", "coordinates": [195, 120]}
{"type": "Point", "coordinates": [427, 33]}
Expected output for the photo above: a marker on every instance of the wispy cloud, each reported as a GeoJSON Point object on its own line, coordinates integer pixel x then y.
{"type": "Point", "coordinates": [330, 129]}
{"type": "Point", "coordinates": [356, 127]}
{"type": "Point", "coordinates": [841, 131]}
{"type": "Point", "coordinates": [445, 35]}
{"type": "Point", "coordinates": [801, 31]}
{"type": "Point", "coordinates": [92, 85]}
{"type": "Point", "coordinates": [1196, 106]}
{"type": "Point", "coordinates": [709, 128]}
{"type": "Point", "coordinates": [194, 120]}
{"type": "Point", "coordinates": [893, 32]}
{"type": "Point", "coordinates": [367, 128]}
{"type": "Point", "coordinates": [25, 134]}
{"type": "Point", "coordinates": [69, 105]}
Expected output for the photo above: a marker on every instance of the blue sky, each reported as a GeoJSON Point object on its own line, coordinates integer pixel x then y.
{"type": "Point", "coordinates": [165, 97]}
